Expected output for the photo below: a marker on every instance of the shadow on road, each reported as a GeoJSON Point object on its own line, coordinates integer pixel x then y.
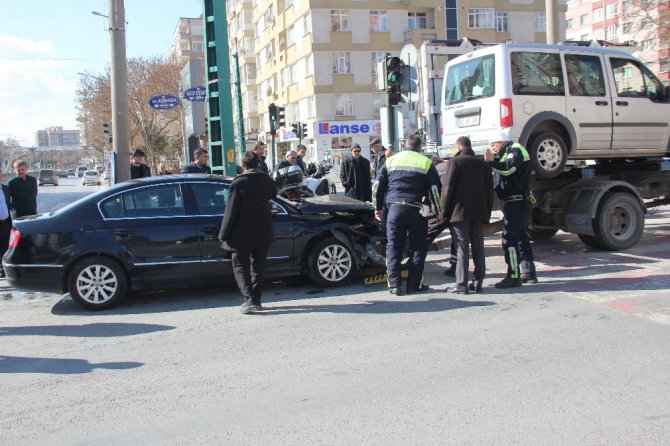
{"type": "Point", "coordinates": [58, 366]}
{"type": "Point", "coordinates": [96, 330]}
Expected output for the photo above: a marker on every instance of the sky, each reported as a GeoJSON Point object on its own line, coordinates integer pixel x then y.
{"type": "Point", "coordinates": [45, 43]}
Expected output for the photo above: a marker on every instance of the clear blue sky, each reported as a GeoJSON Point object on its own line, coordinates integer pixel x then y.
{"type": "Point", "coordinates": [45, 43]}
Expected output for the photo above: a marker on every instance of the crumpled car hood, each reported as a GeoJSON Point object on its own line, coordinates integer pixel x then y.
{"type": "Point", "coordinates": [333, 203]}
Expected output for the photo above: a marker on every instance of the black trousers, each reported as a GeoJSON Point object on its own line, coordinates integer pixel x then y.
{"type": "Point", "coordinates": [248, 267]}
{"type": "Point", "coordinates": [469, 234]}
{"type": "Point", "coordinates": [404, 223]}
{"type": "Point", "coordinates": [5, 231]}
{"type": "Point", "coordinates": [515, 243]}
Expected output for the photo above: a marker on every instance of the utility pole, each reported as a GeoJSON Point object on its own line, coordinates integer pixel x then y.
{"type": "Point", "coordinates": [119, 81]}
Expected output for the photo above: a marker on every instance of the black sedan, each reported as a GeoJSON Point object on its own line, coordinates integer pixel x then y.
{"type": "Point", "coordinates": [161, 232]}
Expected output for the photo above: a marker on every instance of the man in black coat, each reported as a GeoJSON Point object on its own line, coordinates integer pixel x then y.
{"type": "Point", "coordinates": [246, 229]}
{"type": "Point", "coordinates": [5, 223]}
{"type": "Point", "coordinates": [467, 199]}
{"type": "Point", "coordinates": [22, 191]}
{"type": "Point", "coordinates": [355, 175]}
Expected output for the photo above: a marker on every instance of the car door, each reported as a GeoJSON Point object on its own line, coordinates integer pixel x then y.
{"type": "Point", "coordinates": [152, 229]}
{"type": "Point", "coordinates": [640, 114]}
{"type": "Point", "coordinates": [588, 101]}
{"type": "Point", "coordinates": [210, 199]}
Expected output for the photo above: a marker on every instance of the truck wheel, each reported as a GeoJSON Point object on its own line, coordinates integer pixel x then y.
{"type": "Point", "coordinates": [548, 154]}
{"type": "Point", "coordinates": [541, 234]}
{"type": "Point", "coordinates": [619, 221]}
{"type": "Point", "coordinates": [330, 263]}
{"type": "Point", "coordinates": [97, 283]}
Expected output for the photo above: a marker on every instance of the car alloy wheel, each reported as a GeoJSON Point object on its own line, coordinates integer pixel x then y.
{"type": "Point", "coordinates": [97, 283]}
{"type": "Point", "coordinates": [331, 263]}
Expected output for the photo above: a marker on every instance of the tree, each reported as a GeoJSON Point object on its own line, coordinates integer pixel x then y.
{"type": "Point", "coordinates": [648, 23]}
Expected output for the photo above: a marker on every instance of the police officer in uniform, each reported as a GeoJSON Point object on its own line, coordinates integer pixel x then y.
{"type": "Point", "coordinates": [406, 178]}
{"type": "Point", "coordinates": [511, 169]}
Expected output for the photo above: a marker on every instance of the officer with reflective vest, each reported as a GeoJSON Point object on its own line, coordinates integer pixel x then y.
{"type": "Point", "coordinates": [406, 179]}
{"type": "Point", "coordinates": [511, 169]}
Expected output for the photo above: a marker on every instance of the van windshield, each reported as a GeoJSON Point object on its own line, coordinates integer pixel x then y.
{"type": "Point", "coordinates": [472, 79]}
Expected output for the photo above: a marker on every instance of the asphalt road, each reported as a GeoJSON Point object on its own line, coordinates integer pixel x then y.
{"type": "Point", "coordinates": [581, 358]}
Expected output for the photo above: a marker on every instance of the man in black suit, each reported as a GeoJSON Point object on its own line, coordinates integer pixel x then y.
{"type": "Point", "coordinates": [5, 224]}
{"type": "Point", "coordinates": [467, 199]}
{"type": "Point", "coordinates": [355, 175]}
{"type": "Point", "coordinates": [246, 229]}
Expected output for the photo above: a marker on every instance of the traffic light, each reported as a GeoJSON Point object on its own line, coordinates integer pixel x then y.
{"type": "Point", "coordinates": [107, 129]}
{"type": "Point", "coordinates": [281, 119]}
{"type": "Point", "coordinates": [394, 69]}
{"type": "Point", "coordinates": [296, 129]}
{"type": "Point", "coordinates": [272, 111]}
{"type": "Point", "coordinates": [303, 131]}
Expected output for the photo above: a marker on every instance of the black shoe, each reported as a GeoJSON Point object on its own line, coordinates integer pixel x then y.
{"type": "Point", "coordinates": [451, 272]}
{"type": "Point", "coordinates": [529, 277]}
{"type": "Point", "coordinates": [508, 282]}
{"type": "Point", "coordinates": [250, 308]}
{"type": "Point", "coordinates": [395, 291]}
{"type": "Point", "coordinates": [422, 287]}
{"type": "Point", "coordinates": [475, 286]}
{"type": "Point", "coordinates": [457, 290]}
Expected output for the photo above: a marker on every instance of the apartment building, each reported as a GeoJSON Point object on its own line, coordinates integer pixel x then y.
{"type": "Point", "coordinates": [643, 23]}
{"type": "Point", "coordinates": [188, 40]}
{"type": "Point", "coordinates": [318, 59]}
{"type": "Point", "coordinates": [56, 137]}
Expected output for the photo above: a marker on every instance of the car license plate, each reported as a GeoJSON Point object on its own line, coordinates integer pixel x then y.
{"type": "Point", "coordinates": [468, 121]}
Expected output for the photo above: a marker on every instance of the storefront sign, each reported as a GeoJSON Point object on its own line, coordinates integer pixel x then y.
{"type": "Point", "coordinates": [349, 128]}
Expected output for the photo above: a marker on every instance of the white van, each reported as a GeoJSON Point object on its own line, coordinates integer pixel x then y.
{"type": "Point", "coordinates": [559, 101]}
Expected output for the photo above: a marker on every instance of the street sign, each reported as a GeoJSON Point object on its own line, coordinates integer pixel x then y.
{"type": "Point", "coordinates": [195, 94]}
{"type": "Point", "coordinates": [164, 101]}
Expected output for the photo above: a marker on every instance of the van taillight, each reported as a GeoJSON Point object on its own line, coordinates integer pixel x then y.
{"type": "Point", "coordinates": [14, 237]}
{"type": "Point", "coordinates": [506, 116]}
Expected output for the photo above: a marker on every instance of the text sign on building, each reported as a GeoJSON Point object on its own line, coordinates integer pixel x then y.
{"type": "Point", "coordinates": [287, 135]}
{"type": "Point", "coordinates": [349, 128]}
{"type": "Point", "coordinates": [164, 101]}
{"type": "Point", "coordinates": [195, 94]}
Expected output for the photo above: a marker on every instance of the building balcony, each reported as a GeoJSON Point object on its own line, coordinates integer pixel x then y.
{"type": "Point", "coordinates": [418, 35]}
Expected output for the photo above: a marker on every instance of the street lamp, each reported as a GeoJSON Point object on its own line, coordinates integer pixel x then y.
{"type": "Point", "coordinates": [99, 14]}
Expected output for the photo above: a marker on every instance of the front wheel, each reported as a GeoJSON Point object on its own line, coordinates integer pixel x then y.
{"type": "Point", "coordinates": [97, 283]}
{"type": "Point", "coordinates": [330, 263]}
{"type": "Point", "coordinates": [548, 154]}
{"type": "Point", "coordinates": [619, 221]}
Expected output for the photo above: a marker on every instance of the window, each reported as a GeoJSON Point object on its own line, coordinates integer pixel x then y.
{"type": "Point", "coordinates": [540, 25]}
{"type": "Point", "coordinates": [627, 27]}
{"type": "Point", "coordinates": [647, 45]}
{"type": "Point", "coordinates": [599, 34]}
{"type": "Point", "coordinates": [196, 30]}
{"type": "Point", "coordinates": [585, 75]}
{"type": "Point", "coordinates": [501, 22]}
{"type": "Point", "coordinates": [287, 3]}
{"type": "Point", "coordinates": [286, 77]}
{"type": "Point", "coordinates": [469, 80]}
{"type": "Point", "coordinates": [379, 21]}
{"type": "Point", "coordinates": [416, 20]}
{"type": "Point", "coordinates": [341, 62]}
{"type": "Point", "coordinates": [159, 201]}
{"type": "Point", "coordinates": [627, 5]}
{"type": "Point", "coordinates": [568, 24]}
{"type": "Point", "coordinates": [290, 36]}
{"type": "Point", "coordinates": [377, 56]}
{"type": "Point", "coordinates": [611, 32]}
{"type": "Point", "coordinates": [633, 80]}
{"type": "Point", "coordinates": [597, 15]}
{"type": "Point", "coordinates": [309, 65]}
{"type": "Point", "coordinates": [480, 18]}
{"type": "Point", "coordinates": [210, 198]}
{"type": "Point", "coordinates": [665, 65]}
{"type": "Point", "coordinates": [583, 19]}
{"type": "Point", "coordinates": [307, 25]}
{"type": "Point", "coordinates": [537, 73]}
{"type": "Point", "coordinates": [339, 20]}
{"type": "Point", "coordinates": [344, 105]}
{"type": "Point", "coordinates": [610, 11]}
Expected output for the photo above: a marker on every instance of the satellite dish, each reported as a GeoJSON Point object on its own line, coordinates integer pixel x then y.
{"type": "Point", "coordinates": [409, 54]}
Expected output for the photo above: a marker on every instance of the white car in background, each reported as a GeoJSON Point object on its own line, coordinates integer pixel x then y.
{"type": "Point", "coordinates": [90, 177]}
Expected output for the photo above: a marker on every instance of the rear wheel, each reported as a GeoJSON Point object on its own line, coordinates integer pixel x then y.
{"type": "Point", "coordinates": [548, 154]}
{"type": "Point", "coordinates": [619, 221]}
{"type": "Point", "coordinates": [97, 283]}
{"type": "Point", "coordinates": [330, 263]}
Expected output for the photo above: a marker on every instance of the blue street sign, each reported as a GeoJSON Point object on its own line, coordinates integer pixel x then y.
{"type": "Point", "coordinates": [164, 101]}
{"type": "Point", "coordinates": [195, 94]}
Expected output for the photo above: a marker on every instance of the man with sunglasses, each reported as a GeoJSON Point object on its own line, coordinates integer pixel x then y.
{"type": "Point", "coordinates": [355, 175]}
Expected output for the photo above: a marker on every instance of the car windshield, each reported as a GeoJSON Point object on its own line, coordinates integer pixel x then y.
{"type": "Point", "coordinates": [471, 79]}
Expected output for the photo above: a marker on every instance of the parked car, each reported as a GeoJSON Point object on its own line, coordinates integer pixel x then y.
{"type": "Point", "coordinates": [162, 232]}
{"type": "Point", "coordinates": [90, 177]}
{"type": "Point", "coordinates": [47, 176]}
{"type": "Point", "coordinates": [71, 172]}
{"type": "Point", "coordinates": [62, 174]}
{"type": "Point", "coordinates": [81, 170]}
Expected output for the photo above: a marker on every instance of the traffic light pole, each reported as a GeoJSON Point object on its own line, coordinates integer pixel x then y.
{"type": "Point", "coordinates": [119, 84]}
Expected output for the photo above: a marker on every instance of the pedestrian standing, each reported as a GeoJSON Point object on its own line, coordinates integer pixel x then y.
{"type": "Point", "coordinates": [246, 229]}
{"type": "Point", "coordinates": [511, 168]}
{"type": "Point", "coordinates": [405, 179]}
{"type": "Point", "coordinates": [5, 223]}
{"type": "Point", "coordinates": [289, 159]}
{"type": "Point", "coordinates": [378, 156]}
{"type": "Point", "coordinates": [467, 200]}
{"type": "Point", "coordinates": [355, 175]}
{"type": "Point", "coordinates": [163, 170]}
{"type": "Point", "coordinates": [300, 159]}
{"type": "Point", "coordinates": [259, 149]}
{"type": "Point", "coordinates": [138, 167]}
{"type": "Point", "coordinates": [199, 164]}
{"type": "Point", "coordinates": [22, 191]}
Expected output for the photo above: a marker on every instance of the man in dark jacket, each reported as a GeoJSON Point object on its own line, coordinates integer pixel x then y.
{"type": "Point", "coordinates": [5, 223]}
{"type": "Point", "coordinates": [259, 149]}
{"type": "Point", "coordinates": [22, 191]}
{"type": "Point", "coordinates": [138, 168]}
{"type": "Point", "coordinates": [467, 199]}
{"type": "Point", "coordinates": [199, 164]}
{"type": "Point", "coordinates": [246, 229]}
{"type": "Point", "coordinates": [355, 175]}
{"type": "Point", "coordinates": [378, 156]}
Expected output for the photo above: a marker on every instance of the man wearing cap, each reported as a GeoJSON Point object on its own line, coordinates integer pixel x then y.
{"type": "Point", "coordinates": [378, 156]}
{"type": "Point", "coordinates": [511, 168]}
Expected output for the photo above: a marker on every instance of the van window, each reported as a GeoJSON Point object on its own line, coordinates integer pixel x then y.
{"type": "Point", "coordinates": [632, 80]}
{"type": "Point", "coordinates": [536, 73]}
{"type": "Point", "coordinates": [472, 79]}
{"type": "Point", "coordinates": [585, 75]}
